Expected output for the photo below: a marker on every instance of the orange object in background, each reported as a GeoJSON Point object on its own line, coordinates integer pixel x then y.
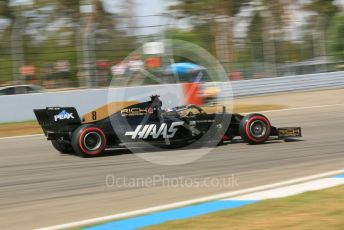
{"type": "Point", "coordinates": [192, 92]}
{"type": "Point", "coordinates": [28, 70]}
{"type": "Point", "coordinates": [153, 62]}
{"type": "Point", "coordinates": [235, 76]}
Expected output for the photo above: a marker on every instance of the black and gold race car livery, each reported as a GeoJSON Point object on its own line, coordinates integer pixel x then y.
{"type": "Point", "coordinates": [131, 123]}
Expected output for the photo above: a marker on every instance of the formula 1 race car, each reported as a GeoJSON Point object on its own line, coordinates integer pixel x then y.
{"type": "Point", "coordinates": [132, 123]}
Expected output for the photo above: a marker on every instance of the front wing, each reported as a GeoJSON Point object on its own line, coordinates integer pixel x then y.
{"type": "Point", "coordinates": [289, 132]}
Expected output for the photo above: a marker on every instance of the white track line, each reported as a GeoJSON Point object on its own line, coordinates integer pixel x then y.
{"type": "Point", "coordinates": [190, 202]}
{"type": "Point", "coordinates": [24, 136]}
{"type": "Point", "coordinates": [266, 111]}
{"type": "Point", "coordinates": [291, 190]}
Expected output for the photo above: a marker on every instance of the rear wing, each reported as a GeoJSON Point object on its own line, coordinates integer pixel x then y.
{"type": "Point", "coordinates": [57, 121]}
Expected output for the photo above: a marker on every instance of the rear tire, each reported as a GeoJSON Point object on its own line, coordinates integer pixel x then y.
{"type": "Point", "coordinates": [62, 146]}
{"type": "Point", "coordinates": [255, 129]}
{"type": "Point", "coordinates": [89, 141]}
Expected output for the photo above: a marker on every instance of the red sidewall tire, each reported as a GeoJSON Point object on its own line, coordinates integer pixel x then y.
{"type": "Point", "coordinates": [245, 132]}
{"type": "Point", "coordinates": [79, 144]}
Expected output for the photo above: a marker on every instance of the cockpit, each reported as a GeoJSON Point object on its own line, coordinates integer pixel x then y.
{"type": "Point", "coordinates": [186, 110]}
{"type": "Point", "coordinates": [155, 104]}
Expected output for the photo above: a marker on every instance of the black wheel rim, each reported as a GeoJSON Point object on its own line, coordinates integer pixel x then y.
{"type": "Point", "coordinates": [258, 128]}
{"type": "Point", "coordinates": [92, 141]}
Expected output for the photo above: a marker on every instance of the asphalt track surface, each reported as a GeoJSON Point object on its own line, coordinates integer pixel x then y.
{"type": "Point", "coordinates": [40, 187]}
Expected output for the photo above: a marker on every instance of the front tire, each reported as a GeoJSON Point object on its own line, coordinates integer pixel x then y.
{"type": "Point", "coordinates": [62, 146]}
{"type": "Point", "coordinates": [255, 128]}
{"type": "Point", "coordinates": [88, 141]}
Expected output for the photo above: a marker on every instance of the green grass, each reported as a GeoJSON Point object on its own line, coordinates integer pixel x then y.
{"type": "Point", "coordinates": [312, 210]}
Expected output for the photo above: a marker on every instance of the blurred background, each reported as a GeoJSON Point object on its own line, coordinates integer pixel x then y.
{"type": "Point", "coordinates": [57, 45]}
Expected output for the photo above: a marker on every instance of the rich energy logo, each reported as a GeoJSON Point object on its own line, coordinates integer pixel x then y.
{"type": "Point", "coordinates": [135, 111]}
{"type": "Point", "coordinates": [63, 115]}
{"type": "Point", "coordinates": [144, 131]}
